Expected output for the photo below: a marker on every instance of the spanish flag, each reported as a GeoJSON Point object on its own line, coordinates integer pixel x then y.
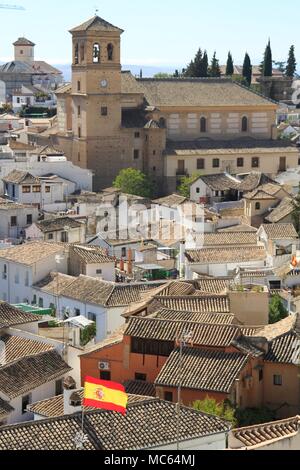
{"type": "Point", "coordinates": [105, 395]}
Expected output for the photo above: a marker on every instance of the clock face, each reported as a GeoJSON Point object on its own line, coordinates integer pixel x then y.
{"type": "Point", "coordinates": [103, 83]}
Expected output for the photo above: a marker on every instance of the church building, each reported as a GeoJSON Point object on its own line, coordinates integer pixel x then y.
{"type": "Point", "coordinates": [168, 128]}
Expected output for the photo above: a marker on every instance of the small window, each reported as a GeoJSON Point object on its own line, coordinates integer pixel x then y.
{"type": "Point", "coordinates": [13, 221]}
{"type": "Point", "coordinates": [78, 111]}
{"type": "Point", "coordinates": [141, 377]}
{"type": "Point", "coordinates": [81, 52]}
{"type": "Point", "coordinates": [34, 300]}
{"type": "Point", "coordinates": [124, 252]}
{"type": "Point", "coordinates": [26, 189]}
{"type": "Point", "coordinates": [41, 302]}
{"type": "Point", "coordinates": [78, 85]}
{"type": "Point", "coordinates": [110, 52]}
{"type": "Point", "coordinates": [255, 162]}
{"type": "Point", "coordinates": [136, 154]}
{"type": "Point", "coordinates": [154, 168]}
{"type": "Point", "coordinates": [277, 380]}
{"type": "Point", "coordinates": [64, 237]}
{"type": "Point", "coordinates": [216, 163]}
{"type": "Point", "coordinates": [240, 162]}
{"type": "Point", "coordinates": [48, 189]}
{"type": "Point", "coordinates": [104, 111]}
{"type": "Point", "coordinates": [50, 236]}
{"type": "Point", "coordinates": [77, 312]}
{"type": "Point", "coordinates": [198, 190]}
{"type": "Point", "coordinates": [79, 132]}
{"type": "Point", "coordinates": [245, 124]}
{"type": "Point", "coordinates": [29, 219]}
{"type": "Point", "coordinates": [154, 152]}
{"type": "Point", "coordinates": [59, 387]}
{"type": "Point", "coordinates": [36, 189]}
{"type": "Point", "coordinates": [203, 125]}
{"type": "Point", "coordinates": [162, 123]}
{"type": "Point", "coordinates": [261, 375]}
{"type": "Point", "coordinates": [257, 206]}
{"type": "Point", "coordinates": [168, 396]}
{"type": "Point", "coordinates": [17, 278]}
{"type": "Point", "coordinates": [105, 375]}
{"type": "Point", "coordinates": [98, 271]}
{"type": "Point", "coordinates": [21, 52]}
{"type": "Point", "coordinates": [26, 400]}
{"type": "Point", "coordinates": [96, 53]}
{"type": "Point", "coordinates": [200, 164]}
{"type": "Point", "coordinates": [78, 156]}
{"type": "Point", "coordinates": [76, 54]}
{"type": "Point", "coordinates": [137, 135]}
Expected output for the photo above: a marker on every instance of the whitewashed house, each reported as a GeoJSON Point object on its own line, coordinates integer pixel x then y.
{"type": "Point", "coordinates": [15, 218]}
{"type": "Point", "coordinates": [281, 242]}
{"type": "Point", "coordinates": [60, 229]}
{"type": "Point", "coordinates": [100, 301]}
{"type": "Point", "coordinates": [93, 262]}
{"type": "Point", "coordinates": [31, 366]}
{"type": "Point", "coordinates": [24, 265]}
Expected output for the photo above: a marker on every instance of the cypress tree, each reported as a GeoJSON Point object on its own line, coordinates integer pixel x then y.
{"type": "Point", "coordinates": [247, 69]}
{"type": "Point", "coordinates": [204, 66]}
{"type": "Point", "coordinates": [267, 64]}
{"type": "Point", "coordinates": [215, 70]}
{"type": "Point", "coordinates": [291, 63]}
{"type": "Point", "coordinates": [229, 66]}
{"type": "Point", "coordinates": [198, 63]}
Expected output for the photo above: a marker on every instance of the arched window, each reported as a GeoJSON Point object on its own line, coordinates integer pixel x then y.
{"type": "Point", "coordinates": [162, 122]}
{"type": "Point", "coordinates": [245, 124]}
{"type": "Point", "coordinates": [203, 124]}
{"type": "Point", "coordinates": [110, 52]}
{"type": "Point", "coordinates": [96, 53]}
{"type": "Point", "coordinates": [76, 54]}
{"type": "Point", "coordinates": [81, 52]}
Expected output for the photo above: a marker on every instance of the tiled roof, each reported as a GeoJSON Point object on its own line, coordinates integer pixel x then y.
{"type": "Point", "coordinates": [284, 209]}
{"type": "Point", "coordinates": [236, 239]}
{"type": "Point", "coordinates": [213, 318]}
{"type": "Point", "coordinates": [209, 371]}
{"type": "Point", "coordinates": [147, 424]}
{"type": "Point", "coordinates": [204, 334]}
{"type": "Point", "coordinates": [201, 304]}
{"type": "Point", "coordinates": [31, 372]}
{"type": "Point", "coordinates": [262, 434]}
{"type": "Point", "coordinates": [96, 24]}
{"type": "Point", "coordinates": [114, 339]}
{"type": "Point", "coordinates": [198, 92]}
{"type": "Point", "coordinates": [5, 408]}
{"type": "Point", "coordinates": [54, 407]}
{"type": "Point", "coordinates": [174, 200]}
{"type": "Point", "coordinates": [280, 231]}
{"type": "Point", "coordinates": [282, 349]}
{"type": "Point", "coordinates": [225, 182]}
{"type": "Point", "coordinates": [18, 177]}
{"type": "Point", "coordinates": [32, 252]}
{"type": "Point", "coordinates": [17, 348]}
{"type": "Point", "coordinates": [11, 316]}
{"type": "Point", "coordinates": [59, 223]}
{"type": "Point", "coordinates": [92, 254]}
{"type": "Point", "coordinates": [138, 387]}
{"type": "Point", "coordinates": [23, 42]}
{"type": "Point", "coordinates": [258, 194]}
{"type": "Point", "coordinates": [226, 255]}
{"type": "Point", "coordinates": [278, 329]}
{"type": "Point", "coordinates": [55, 283]}
{"type": "Point", "coordinates": [6, 205]}
{"type": "Point", "coordinates": [176, 288]}
{"type": "Point", "coordinates": [238, 228]}
{"type": "Point", "coordinates": [212, 285]}
{"type": "Point", "coordinates": [125, 295]}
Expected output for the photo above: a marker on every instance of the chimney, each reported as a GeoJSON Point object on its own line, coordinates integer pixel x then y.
{"type": "Point", "coordinates": [72, 397]}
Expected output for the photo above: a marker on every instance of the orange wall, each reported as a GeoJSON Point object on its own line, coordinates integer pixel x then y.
{"type": "Point", "coordinates": [188, 396]}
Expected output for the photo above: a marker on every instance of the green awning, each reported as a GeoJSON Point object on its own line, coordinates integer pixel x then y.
{"type": "Point", "coordinates": [35, 310]}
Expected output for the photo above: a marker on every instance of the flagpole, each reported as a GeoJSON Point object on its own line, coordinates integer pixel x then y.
{"type": "Point", "coordinates": [82, 419]}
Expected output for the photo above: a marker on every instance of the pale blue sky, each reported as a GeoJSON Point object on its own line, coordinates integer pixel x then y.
{"type": "Point", "coordinates": [160, 32]}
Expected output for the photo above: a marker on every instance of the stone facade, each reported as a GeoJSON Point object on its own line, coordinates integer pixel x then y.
{"type": "Point", "coordinates": [109, 120]}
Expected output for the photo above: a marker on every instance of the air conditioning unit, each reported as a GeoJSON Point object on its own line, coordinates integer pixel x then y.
{"type": "Point", "coordinates": [104, 365]}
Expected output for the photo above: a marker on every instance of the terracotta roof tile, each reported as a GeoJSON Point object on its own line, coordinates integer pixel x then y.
{"type": "Point", "coordinates": [201, 304]}
{"type": "Point", "coordinates": [11, 316]}
{"type": "Point", "coordinates": [280, 231]}
{"type": "Point", "coordinates": [31, 253]}
{"type": "Point", "coordinates": [284, 209]}
{"type": "Point", "coordinates": [226, 255]}
{"type": "Point", "coordinates": [209, 371]}
{"type": "Point", "coordinates": [17, 348]}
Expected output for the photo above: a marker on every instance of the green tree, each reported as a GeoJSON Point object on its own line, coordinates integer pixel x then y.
{"type": "Point", "coordinates": [198, 63]}
{"type": "Point", "coordinates": [162, 75]}
{"type": "Point", "coordinates": [131, 181]}
{"type": "Point", "coordinates": [204, 66]}
{"type": "Point", "coordinates": [185, 184]}
{"type": "Point", "coordinates": [267, 63]}
{"type": "Point", "coordinates": [280, 65]}
{"type": "Point", "coordinates": [291, 63]}
{"type": "Point", "coordinates": [247, 69]}
{"type": "Point", "coordinates": [229, 65]}
{"type": "Point", "coordinates": [214, 70]}
{"type": "Point", "coordinates": [277, 311]}
{"type": "Point", "coordinates": [87, 334]}
{"type": "Point", "coordinates": [197, 67]}
{"type": "Point", "coordinates": [296, 212]}
{"type": "Point", "coordinates": [253, 416]}
{"type": "Point", "coordinates": [223, 410]}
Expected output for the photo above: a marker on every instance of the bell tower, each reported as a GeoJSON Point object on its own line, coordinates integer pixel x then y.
{"type": "Point", "coordinates": [96, 94]}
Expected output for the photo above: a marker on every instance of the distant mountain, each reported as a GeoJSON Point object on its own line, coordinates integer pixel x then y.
{"type": "Point", "coordinates": [148, 71]}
